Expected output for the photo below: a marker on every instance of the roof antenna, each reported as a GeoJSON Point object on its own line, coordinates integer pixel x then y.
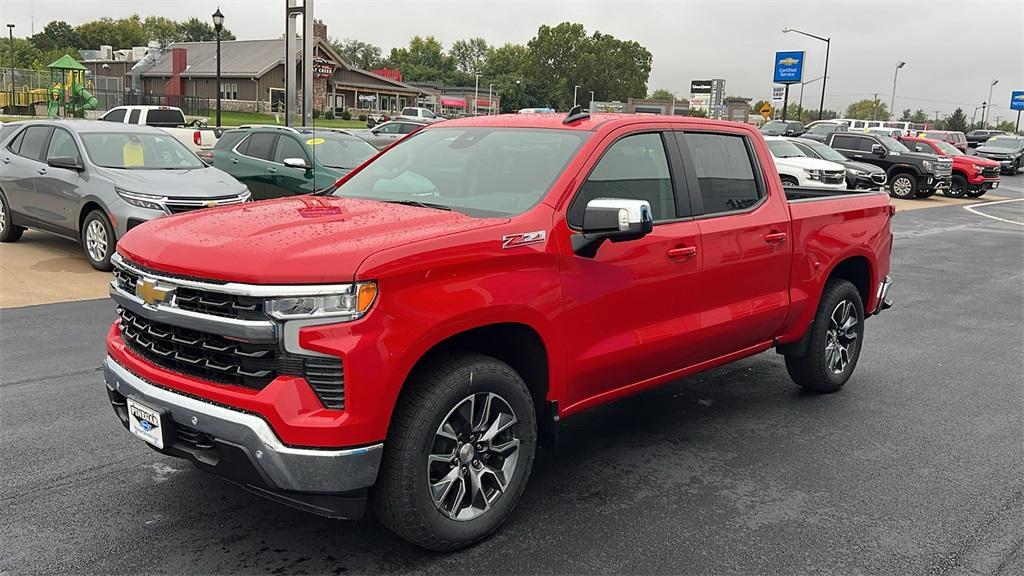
{"type": "Point", "coordinates": [576, 113]}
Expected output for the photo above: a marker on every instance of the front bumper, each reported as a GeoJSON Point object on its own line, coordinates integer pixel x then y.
{"type": "Point", "coordinates": [934, 182]}
{"type": "Point", "coordinates": [242, 447]}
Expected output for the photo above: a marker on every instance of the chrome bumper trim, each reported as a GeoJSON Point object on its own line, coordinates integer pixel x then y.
{"type": "Point", "coordinates": [248, 330]}
{"type": "Point", "coordinates": [883, 295]}
{"type": "Point", "coordinates": [290, 469]}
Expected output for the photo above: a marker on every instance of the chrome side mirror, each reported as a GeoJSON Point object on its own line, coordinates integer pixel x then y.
{"type": "Point", "coordinates": [296, 163]}
{"type": "Point", "coordinates": [613, 219]}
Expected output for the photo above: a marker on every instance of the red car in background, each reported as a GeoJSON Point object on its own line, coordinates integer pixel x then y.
{"type": "Point", "coordinates": [972, 176]}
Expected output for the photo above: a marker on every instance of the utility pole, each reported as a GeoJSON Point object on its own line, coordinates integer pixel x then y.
{"type": "Point", "coordinates": [892, 102]}
{"type": "Point", "coordinates": [984, 117]}
{"type": "Point", "coordinates": [874, 107]}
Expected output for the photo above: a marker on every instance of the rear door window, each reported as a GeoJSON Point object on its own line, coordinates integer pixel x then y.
{"type": "Point", "coordinates": [115, 115]}
{"type": "Point", "coordinates": [841, 142]}
{"type": "Point", "coordinates": [724, 170]}
{"type": "Point", "coordinates": [34, 142]}
{"type": "Point", "coordinates": [133, 118]}
{"type": "Point", "coordinates": [260, 145]}
{"type": "Point", "coordinates": [288, 148]}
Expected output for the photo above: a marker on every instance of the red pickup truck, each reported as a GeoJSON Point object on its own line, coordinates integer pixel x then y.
{"type": "Point", "coordinates": [408, 337]}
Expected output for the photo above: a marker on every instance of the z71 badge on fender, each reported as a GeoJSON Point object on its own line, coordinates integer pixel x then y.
{"type": "Point", "coordinates": [524, 238]}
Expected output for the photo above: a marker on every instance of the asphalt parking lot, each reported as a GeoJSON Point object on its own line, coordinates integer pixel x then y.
{"type": "Point", "coordinates": [916, 467]}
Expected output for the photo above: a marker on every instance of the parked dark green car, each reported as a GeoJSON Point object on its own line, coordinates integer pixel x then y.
{"type": "Point", "coordinates": [276, 161]}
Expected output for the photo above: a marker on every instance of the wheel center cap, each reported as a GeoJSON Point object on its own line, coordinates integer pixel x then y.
{"type": "Point", "coordinates": [467, 453]}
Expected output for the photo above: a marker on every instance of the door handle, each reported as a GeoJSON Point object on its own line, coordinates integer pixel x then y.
{"type": "Point", "coordinates": [272, 170]}
{"type": "Point", "coordinates": [683, 252]}
{"type": "Point", "coordinates": [234, 160]}
{"type": "Point", "coordinates": [41, 171]}
{"type": "Point", "coordinates": [775, 237]}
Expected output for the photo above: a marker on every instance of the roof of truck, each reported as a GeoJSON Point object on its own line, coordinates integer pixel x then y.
{"type": "Point", "coordinates": [554, 120]}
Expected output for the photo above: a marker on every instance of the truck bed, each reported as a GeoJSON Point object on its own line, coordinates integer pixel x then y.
{"type": "Point", "coordinates": [803, 193]}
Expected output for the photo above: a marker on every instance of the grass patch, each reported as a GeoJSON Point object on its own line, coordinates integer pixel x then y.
{"type": "Point", "coordinates": [240, 118]}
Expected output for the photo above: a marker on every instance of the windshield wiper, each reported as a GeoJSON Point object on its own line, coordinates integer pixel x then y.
{"type": "Point", "coordinates": [419, 204]}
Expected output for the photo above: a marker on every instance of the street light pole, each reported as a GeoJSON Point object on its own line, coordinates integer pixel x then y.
{"type": "Point", "coordinates": [892, 102]}
{"type": "Point", "coordinates": [800, 104]}
{"type": "Point", "coordinates": [218, 25]}
{"type": "Point", "coordinates": [10, 35]}
{"type": "Point", "coordinates": [984, 115]}
{"type": "Point", "coordinates": [490, 99]}
{"type": "Point", "coordinates": [476, 96]}
{"type": "Point", "coordinates": [591, 107]}
{"type": "Point", "coordinates": [574, 90]}
{"type": "Point", "coordinates": [824, 77]}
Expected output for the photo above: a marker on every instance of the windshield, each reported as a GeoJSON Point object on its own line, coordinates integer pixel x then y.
{"type": "Point", "coordinates": [1004, 142]}
{"type": "Point", "coordinates": [337, 150]}
{"type": "Point", "coordinates": [476, 171]}
{"type": "Point", "coordinates": [823, 128]}
{"type": "Point", "coordinates": [892, 145]}
{"type": "Point", "coordinates": [946, 148]}
{"type": "Point", "coordinates": [134, 151]}
{"type": "Point", "coordinates": [825, 152]}
{"type": "Point", "coordinates": [774, 128]}
{"type": "Point", "coordinates": [784, 149]}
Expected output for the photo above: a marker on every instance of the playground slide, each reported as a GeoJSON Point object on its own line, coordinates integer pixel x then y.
{"type": "Point", "coordinates": [89, 101]}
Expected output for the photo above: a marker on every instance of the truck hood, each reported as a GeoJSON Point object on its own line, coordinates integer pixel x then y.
{"type": "Point", "coordinates": [975, 160]}
{"type": "Point", "coordinates": [195, 183]}
{"type": "Point", "coordinates": [995, 151]}
{"type": "Point", "coordinates": [808, 163]}
{"type": "Point", "coordinates": [297, 240]}
{"type": "Point", "coordinates": [863, 167]}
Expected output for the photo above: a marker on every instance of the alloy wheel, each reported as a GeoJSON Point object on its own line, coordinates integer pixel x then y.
{"type": "Point", "coordinates": [96, 240]}
{"type": "Point", "coordinates": [841, 337]}
{"type": "Point", "coordinates": [473, 456]}
{"type": "Point", "coordinates": [902, 187]}
{"type": "Point", "coordinates": [3, 217]}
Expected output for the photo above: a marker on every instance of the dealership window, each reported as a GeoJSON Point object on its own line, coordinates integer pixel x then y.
{"type": "Point", "coordinates": [724, 172]}
{"type": "Point", "coordinates": [229, 91]}
{"type": "Point", "coordinates": [634, 168]}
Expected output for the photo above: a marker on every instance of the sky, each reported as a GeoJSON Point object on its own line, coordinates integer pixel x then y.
{"type": "Point", "coordinates": [953, 49]}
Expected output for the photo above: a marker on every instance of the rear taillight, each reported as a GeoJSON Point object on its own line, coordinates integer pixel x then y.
{"type": "Point", "coordinates": [197, 138]}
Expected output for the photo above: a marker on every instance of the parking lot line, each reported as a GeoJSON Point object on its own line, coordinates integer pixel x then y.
{"type": "Point", "coordinates": [973, 210]}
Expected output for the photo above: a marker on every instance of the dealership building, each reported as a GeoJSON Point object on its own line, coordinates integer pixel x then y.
{"type": "Point", "coordinates": [708, 96]}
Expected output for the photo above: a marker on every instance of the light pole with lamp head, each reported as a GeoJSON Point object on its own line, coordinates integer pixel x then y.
{"type": "Point", "coordinates": [892, 101]}
{"type": "Point", "coordinates": [574, 90]}
{"type": "Point", "coordinates": [218, 25]}
{"type": "Point", "coordinates": [984, 112]}
{"type": "Point", "coordinates": [824, 76]}
{"type": "Point", "coordinates": [800, 104]}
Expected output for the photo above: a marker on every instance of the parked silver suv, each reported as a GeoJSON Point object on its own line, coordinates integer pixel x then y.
{"type": "Point", "coordinates": [94, 181]}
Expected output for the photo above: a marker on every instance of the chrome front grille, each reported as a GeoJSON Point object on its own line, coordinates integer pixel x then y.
{"type": "Point", "coordinates": [834, 176]}
{"type": "Point", "coordinates": [206, 356]}
{"type": "Point", "coordinates": [943, 169]}
{"type": "Point", "coordinates": [990, 171]}
{"type": "Point", "coordinates": [179, 205]}
{"type": "Point", "coordinates": [878, 177]}
{"type": "Point", "coordinates": [202, 301]}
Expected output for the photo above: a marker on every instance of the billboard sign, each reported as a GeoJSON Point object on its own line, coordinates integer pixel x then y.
{"type": "Point", "coordinates": [1017, 100]}
{"type": "Point", "coordinates": [789, 67]}
{"type": "Point", "coordinates": [700, 87]}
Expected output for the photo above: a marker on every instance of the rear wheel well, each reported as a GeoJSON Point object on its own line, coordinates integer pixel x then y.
{"type": "Point", "coordinates": [517, 345]}
{"type": "Point", "coordinates": [857, 271]}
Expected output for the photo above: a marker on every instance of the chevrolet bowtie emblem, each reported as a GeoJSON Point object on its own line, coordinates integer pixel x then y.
{"type": "Point", "coordinates": [209, 203]}
{"type": "Point", "coordinates": [152, 293]}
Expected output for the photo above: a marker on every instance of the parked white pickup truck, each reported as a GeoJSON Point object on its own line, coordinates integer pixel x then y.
{"type": "Point", "coordinates": [169, 119]}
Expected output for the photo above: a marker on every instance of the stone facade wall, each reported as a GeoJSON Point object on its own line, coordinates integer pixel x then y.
{"type": "Point", "coordinates": [241, 105]}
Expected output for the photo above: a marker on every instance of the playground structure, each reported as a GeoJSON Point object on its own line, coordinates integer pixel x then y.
{"type": "Point", "coordinates": [68, 94]}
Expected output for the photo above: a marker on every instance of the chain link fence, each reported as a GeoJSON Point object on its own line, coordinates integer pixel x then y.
{"type": "Point", "coordinates": [28, 91]}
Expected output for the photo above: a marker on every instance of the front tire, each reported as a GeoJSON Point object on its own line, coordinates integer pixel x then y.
{"type": "Point", "coordinates": [789, 181]}
{"type": "Point", "coordinates": [835, 340]}
{"type": "Point", "coordinates": [8, 231]}
{"type": "Point", "coordinates": [459, 452]}
{"type": "Point", "coordinates": [98, 240]}
{"type": "Point", "coordinates": [903, 186]}
{"type": "Point", "coordinates": [957, 187]}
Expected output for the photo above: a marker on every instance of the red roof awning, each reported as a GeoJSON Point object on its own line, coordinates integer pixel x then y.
{"type": "Point", "coordinates": [453, 102]}
{"type": "Point", "coordinates": [483, 103]}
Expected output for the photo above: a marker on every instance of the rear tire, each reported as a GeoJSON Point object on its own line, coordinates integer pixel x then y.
{"type": "Point", "coordinates": [903, 186]}
{"type": "Point", "coordinates": [835, 340]}
{"type": "Point", "coordinates": [440, 484]}
{"type": "Point", "coordinates": [98, 240]}
{"type": "Point", "coordinates": [8, 231]}
{"type": "Point", "coordinates": [957, 187]}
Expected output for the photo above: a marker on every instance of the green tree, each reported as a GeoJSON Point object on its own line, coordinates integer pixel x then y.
{"type": "Point", "coordinates": [919, 116]}
{"type": "Point", "coordinates": [697, 113]}
{"type": "Point", "coordinates": [425, 60]}
{"type": "Point", "coordinates": [196, 30]}
{"type": "Point", "coordinates": [957, 121]}
{"type": "Point", "coordinates": [56, 34]}
{"type": "Point", "coordinates": [906, 116]}
{"type": "Point", "coordinates": [358, 53]}
{"type": "Point", "coordinates": [470, 55]}
{"type": "Point", "coordinates": [867, 109]}
{"type": "Point", "coordinates": [163, 30]}
{"type": "Point", "coordinates": [122, 33]}
{"type": "Point", "coordinates": [26, 55]}
{"type": "Point", "coordinates": [661, 94]}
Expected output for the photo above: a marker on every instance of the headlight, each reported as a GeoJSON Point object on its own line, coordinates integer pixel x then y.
{"type": "Point", "coordinates": [149, 201]}
{"type": "Point", "coordinates": [856, 172]}
{"type": "Point", "coordinates": [978, 167]}
{"type": "Point", "coordinates": [929, 166]}
{"type": "Point", "coordinates": [813, 174]}
{"type": "Point", "coordinates": [350, 304]}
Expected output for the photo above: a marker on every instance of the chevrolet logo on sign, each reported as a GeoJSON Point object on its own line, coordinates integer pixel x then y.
{"type": "Point", "coordinates": [788, 61]}
{"type": "Point", "coordinates": [152, 293]}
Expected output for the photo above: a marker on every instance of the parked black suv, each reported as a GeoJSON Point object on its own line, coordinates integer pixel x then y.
{"type": "Point", "coordinates": [910, 174]}
{"type": "Point", "coordinates": [859, 175]}
{"type": "Point", "coordinates": [976, 138]}
{"type": "Point", "coordinates": [1007, 150]}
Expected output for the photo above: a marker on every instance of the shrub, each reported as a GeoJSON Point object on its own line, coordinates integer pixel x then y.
{"type": "Point", "coordinates": [329, 114]}
{"type": "Point", "coordinates": [346, 115]}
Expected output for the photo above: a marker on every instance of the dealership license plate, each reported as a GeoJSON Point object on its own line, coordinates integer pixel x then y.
{"type": "Point", "coordinates": [145, 423]}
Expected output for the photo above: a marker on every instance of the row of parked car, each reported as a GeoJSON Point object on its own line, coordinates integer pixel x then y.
{"type": "Point", "coordinates": [830, 155]}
